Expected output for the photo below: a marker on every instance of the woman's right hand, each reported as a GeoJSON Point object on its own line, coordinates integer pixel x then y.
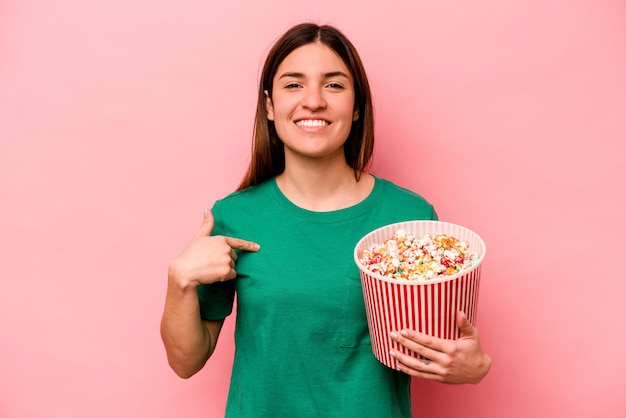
{"type": "Point", "coordinates": [208, 259]}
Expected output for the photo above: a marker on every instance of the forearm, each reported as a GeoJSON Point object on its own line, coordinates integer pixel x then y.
{"type": "Point", "coordinates": [188, 340]}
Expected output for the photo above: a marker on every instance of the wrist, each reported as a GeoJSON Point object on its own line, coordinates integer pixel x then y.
{"type": "Point", "coordinates": [179, 278]}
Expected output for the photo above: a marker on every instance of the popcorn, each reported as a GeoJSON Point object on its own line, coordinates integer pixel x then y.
{"type": "Point", "coordinates": [404, 256]}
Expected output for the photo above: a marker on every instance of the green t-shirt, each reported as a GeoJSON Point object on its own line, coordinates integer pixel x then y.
{"type": "Point", "coordinates": [302, 343]}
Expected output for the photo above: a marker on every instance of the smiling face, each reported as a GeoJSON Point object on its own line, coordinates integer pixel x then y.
{"type": "Point", "coordinates": [312, 103]}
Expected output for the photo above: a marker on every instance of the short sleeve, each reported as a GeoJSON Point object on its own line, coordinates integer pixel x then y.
{"type": "Point", "coordinates": [434, 216]}
{"type": "Point", "coordinates": [216, 300]}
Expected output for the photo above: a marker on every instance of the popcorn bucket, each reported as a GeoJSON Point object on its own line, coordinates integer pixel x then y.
{"type": "Point", "coordinates": [428, 306]}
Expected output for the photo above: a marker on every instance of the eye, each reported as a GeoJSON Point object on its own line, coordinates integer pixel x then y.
{"type": "Point", "coordinates": [292, 86]}
{"type": "Point", "coordinates": [334, 86]}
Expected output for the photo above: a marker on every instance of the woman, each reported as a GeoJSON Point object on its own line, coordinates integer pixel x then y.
{"type": "Point", "coordinates": [283, 244]}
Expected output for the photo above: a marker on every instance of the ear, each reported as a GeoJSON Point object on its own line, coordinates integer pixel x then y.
{"type": "Point", "coordinates": [355, 115]}
{"type": "Point", "coordinates": [269, 107]}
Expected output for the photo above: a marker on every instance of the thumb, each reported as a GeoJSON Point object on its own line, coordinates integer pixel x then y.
{"type": "Point", "coordinates": [467, 330]}
{"type": "Point", "coordinates": [207, 224]}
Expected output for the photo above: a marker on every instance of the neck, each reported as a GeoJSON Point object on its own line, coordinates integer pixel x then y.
{"type": "Point", "coordinates": [323, 188]}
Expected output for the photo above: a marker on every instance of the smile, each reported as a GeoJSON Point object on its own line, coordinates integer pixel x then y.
{"type": "Point", "coordinates": [312, 123]}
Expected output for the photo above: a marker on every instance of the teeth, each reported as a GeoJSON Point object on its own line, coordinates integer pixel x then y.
{"type": "Point", "coordinates": [311, 123]}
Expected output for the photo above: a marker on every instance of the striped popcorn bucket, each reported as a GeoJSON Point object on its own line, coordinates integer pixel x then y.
{"type": "Point", "coordinates": [426, 306]}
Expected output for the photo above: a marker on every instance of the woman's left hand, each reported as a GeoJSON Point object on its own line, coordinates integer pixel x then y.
{"type": "Point", "coordinates": [447, 361]}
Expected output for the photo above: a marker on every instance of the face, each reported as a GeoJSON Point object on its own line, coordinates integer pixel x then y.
{"type": "Point", "coordinates": [312, 103]}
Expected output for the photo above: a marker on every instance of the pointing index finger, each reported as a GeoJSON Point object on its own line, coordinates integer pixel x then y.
{"type": "Point", "coordinates": [241, 244]}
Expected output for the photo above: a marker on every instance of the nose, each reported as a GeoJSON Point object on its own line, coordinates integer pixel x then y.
{"type": "Point", "coordinates": [313, 99]}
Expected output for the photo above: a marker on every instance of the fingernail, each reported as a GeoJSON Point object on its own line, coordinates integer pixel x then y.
{"type": "Point", "coordinates": [393, 335]}
{"type": "Point", "coordinates": [392, 353]}
{"type": "Point", "coordinates": [256, 246]}
{"type": "Point", "coordinates": [404, 332]}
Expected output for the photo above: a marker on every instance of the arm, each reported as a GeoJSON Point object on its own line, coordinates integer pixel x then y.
{"type": "Point", "coordinates": [189, 341]}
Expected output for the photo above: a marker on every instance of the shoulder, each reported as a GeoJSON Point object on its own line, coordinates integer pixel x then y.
{"type": "Point", "coordinates": [401, 198]}
{"type": "Point", "coordinates": [400, 192]}
{"type": "Point", "coordinates": [230, 210]}
{"type": "Point", "coordinates": [242, 197]}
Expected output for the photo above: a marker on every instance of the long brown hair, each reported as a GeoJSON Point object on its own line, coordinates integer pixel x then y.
{"type": "Point", "coordinates": [268, 154]}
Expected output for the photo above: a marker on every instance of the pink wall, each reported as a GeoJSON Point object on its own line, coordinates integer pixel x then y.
{"type": "Point", "coordinates": [120, 121]}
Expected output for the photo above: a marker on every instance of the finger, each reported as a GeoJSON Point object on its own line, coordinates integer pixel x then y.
{"type": "Point", "coordinates": [422, 344]}
{"type": "Point", "coordinates": [417, 367]}
{"type": "Point", "coordinates": [231, 274]}
{"type": "Point", "coordinates": [241, 244]}
{"type": "Point", "coordinates": [207, 224]}
{"type": "Point", "coordinates": [465, 326]}
{"type": "Point", "coordinates": [419, 342]}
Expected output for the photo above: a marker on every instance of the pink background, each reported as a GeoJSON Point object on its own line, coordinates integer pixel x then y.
{"type": "Point", "coordinates": [120, 121]}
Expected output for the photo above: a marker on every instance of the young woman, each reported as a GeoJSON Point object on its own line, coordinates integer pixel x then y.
{"type": "Point", "coordinates": [282, 243]}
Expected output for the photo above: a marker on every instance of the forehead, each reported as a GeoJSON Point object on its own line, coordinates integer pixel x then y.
{"type": "Point", "coordinates": [312, 59]}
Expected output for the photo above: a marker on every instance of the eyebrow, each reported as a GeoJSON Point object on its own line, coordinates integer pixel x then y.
{"type": "Point", "coordinates": [331, 74]}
